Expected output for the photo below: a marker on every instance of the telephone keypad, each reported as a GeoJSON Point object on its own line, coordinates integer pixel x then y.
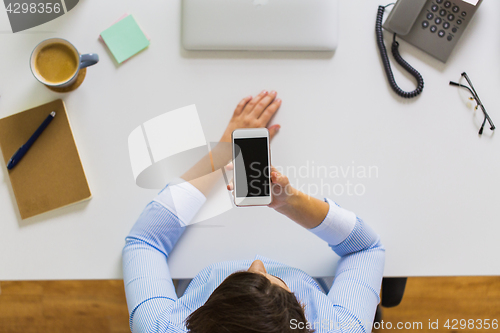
{"type": "Point", "coordinates": [446, 19]}
{"type": "Point", "coordinates": [445, 12]}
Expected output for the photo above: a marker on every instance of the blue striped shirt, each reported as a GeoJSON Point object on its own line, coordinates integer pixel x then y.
{"type": "Point", "coordinates": [153, 305]}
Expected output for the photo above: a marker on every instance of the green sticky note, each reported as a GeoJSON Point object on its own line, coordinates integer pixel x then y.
{"type": "Point", "coordinates": [125, 39]}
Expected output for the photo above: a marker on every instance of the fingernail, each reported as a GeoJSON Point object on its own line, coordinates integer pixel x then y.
{"type": "Point", "coordinates": [278, 100]}
{"type": "Point", "coordinates": [273, 92]}
{"type": "Point", "coordinates": [264, 92]}
{"type": "Point", "coordinates": [249, 97]}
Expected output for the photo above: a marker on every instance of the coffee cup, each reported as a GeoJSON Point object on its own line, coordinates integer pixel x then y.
{"type": "Point", "coordinates": [56, 62]}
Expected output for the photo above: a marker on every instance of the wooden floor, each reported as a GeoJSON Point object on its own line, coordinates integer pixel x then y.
{"type": "Point", "coordinates": [99, 306]}
{"type": "Point", "coordinates": [63, 306]}
{"type": "Point", "coordinates": [441, 299]}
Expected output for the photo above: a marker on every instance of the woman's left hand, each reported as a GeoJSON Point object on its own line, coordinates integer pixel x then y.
{"type": "Point", "coordinates": [254, 112]}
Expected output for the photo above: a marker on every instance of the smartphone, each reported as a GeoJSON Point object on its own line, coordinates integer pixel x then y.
{"type": "Point", "coordinates": [252, 167]}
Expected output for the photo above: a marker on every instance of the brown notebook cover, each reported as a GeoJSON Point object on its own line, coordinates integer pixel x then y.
{"type": "Point", "coordinates": [50, 175]}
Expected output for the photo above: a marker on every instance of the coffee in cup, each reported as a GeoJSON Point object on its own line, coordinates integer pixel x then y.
{"type": "Point", "coordinates": [56, 62]}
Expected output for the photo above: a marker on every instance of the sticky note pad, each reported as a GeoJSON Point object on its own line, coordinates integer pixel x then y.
{"type": "Point", "coordinates": [125, 39]}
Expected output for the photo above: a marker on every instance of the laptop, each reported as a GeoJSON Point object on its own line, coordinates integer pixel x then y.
{"type": "Point", "coordinates": [264, 25]}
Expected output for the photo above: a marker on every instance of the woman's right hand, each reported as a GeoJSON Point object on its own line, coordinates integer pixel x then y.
{"type": "Point", "coordinates": [307, 211]}
{"type": "Point", "coordinates": [281, 190]}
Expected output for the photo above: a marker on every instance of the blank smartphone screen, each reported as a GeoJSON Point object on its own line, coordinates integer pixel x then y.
{"type": "Point", "coordinates": [251, 168]}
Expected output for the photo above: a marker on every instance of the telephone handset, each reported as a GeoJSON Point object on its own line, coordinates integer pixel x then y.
{"type": "Point", "coordinates": [434, 26]}
{"type": "Point", "coordinates": [403, 16]}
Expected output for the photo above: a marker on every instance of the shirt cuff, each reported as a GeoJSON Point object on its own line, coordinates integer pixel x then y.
{"type": "Point", "coordinates": [337, 225]}
{"type": "Point", "coordinates": [182, 199]}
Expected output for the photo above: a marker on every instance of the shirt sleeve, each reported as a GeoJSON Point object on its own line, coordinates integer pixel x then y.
{"type": "Point", "coordinates": [356, 288]}
{"type": "Point", "coordinates": [148, 283]}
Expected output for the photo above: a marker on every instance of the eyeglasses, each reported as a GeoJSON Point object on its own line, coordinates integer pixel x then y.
{"type": "Point", "coordinates": [478, 101]}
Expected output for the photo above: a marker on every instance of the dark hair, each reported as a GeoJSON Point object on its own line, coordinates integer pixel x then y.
{"type": "Point", "coordinates": [247, 302]}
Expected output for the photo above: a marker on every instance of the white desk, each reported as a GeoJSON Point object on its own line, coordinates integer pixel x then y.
{"type": "Point", "coordinates": [434, 201]}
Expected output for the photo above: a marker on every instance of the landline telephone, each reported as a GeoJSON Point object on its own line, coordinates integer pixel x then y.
{"type": "Point", "coordinates": [434, 26]}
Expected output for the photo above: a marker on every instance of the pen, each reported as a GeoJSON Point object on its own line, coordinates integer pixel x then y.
{"type": "Point", "coordinates": [24, 148]}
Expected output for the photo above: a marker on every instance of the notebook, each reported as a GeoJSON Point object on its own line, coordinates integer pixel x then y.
{"type": "Point", "coordinates": [51, 174]}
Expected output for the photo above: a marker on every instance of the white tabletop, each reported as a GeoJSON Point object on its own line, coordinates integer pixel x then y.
{"type": "Point", "coordinates": [432, 194]}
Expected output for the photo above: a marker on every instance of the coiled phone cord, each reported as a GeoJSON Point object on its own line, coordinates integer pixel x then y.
{"type": "Point", "coordinates": [399, 59]}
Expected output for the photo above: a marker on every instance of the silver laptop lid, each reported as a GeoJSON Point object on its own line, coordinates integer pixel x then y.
{"type": "Point", "coordinates": [284, 25]}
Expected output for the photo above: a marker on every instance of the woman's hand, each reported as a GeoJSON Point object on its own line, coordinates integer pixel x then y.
{"type": "Point", "coordinates": [249, 113]}
{"type": "Point", "coordinates": [281, 190]}
{"type": "Point", "coordinates": [254, 112]}
{"type": "Point", "coordinates": [307, 211]}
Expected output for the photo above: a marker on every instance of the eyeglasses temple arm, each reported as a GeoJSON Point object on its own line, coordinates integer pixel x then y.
{"type": "Point", "coordinates": [482, 126]}
{"type": "Point", "coordinates": [487, 117]}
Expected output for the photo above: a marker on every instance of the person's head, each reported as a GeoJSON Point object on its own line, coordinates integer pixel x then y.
{"type": "Point", "coordinates": [248, 302]}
